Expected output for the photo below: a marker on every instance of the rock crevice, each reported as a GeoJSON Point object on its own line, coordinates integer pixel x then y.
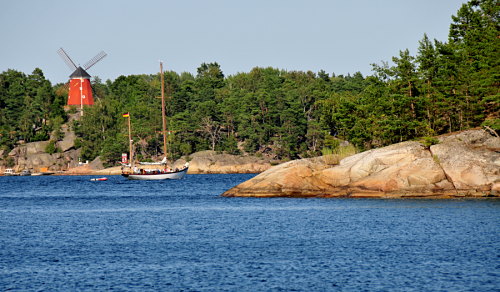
{"type": "Point", "coordinates": [435, 157]}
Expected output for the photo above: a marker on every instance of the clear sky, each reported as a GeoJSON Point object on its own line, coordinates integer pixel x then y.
{"type": "Point", "coordinates": [338, 36]}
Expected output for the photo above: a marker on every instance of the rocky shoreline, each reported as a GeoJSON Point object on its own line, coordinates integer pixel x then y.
{"type": "Point", "coordinates": [32, 156]}
{"type": "Point", "coordinates": [203, 162]}
{"type": "Point", "coordinates": [464, 164]}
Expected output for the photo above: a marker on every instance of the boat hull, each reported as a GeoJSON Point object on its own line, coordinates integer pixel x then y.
{"type": "Point", "coordinates": [158, 176]}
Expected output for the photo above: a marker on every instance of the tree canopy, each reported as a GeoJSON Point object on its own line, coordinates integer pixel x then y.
{"type": "Point", "coordinates": [447, 86]}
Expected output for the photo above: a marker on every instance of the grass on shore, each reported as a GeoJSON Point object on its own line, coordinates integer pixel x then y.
{"type": "Point", "coordinates": [334, 156]}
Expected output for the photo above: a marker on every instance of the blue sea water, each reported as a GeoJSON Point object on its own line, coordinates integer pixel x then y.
{"type": "Point", "coordinates": [66, 233]}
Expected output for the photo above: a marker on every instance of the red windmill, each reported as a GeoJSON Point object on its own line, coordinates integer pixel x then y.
{"type": "Point", "coordinates": [80, 91]}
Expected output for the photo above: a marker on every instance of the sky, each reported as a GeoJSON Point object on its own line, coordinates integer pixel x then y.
{"type": "Point", "coordinates": [337, 36]}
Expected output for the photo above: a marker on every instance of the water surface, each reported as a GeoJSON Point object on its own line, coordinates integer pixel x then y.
{"type": "Point", "coordinates": [60, 233]}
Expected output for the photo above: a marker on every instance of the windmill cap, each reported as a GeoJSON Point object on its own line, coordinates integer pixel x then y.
{"type": "Point", "coordinates": [80, 73]}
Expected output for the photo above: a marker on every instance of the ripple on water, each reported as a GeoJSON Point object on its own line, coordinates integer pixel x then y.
{"type": "Point", "coordinates": [67, 233]}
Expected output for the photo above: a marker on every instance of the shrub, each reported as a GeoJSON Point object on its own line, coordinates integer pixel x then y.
{"type": "Point", "coordinates": [10, 162]}
{"type": "Point", "coordinates": [493, 124]}
{"type": "Point", "coordinates": [51, 147]}
{"type": "Point", "coordinates": [429, 141]}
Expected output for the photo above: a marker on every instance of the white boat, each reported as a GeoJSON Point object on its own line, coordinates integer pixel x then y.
{"type": "Point", "coordinates": [25, 172]}
{"type": "Point", "coordinates": [10, 172]}
{"type": "Point", "coordinates": [156, 175]}
{"type": "Point", "coordinates": [155, 170]}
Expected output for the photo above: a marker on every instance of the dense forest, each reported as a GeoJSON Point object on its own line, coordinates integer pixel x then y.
{"type": "Point", "coordinates": [445, 87]}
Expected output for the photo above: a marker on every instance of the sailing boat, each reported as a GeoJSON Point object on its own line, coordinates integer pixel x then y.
{"type": "Point", "coordinates": [153, 170]}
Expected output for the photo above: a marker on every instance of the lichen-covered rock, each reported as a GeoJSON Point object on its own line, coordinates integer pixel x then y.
{"type": "Point", "coordinates": [465, 164]}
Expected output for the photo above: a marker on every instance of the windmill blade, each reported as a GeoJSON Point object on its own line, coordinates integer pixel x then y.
{"type": "Point", "coordinates": [66, 59]}
{"type": "Point", "coordinates": [94, 60]}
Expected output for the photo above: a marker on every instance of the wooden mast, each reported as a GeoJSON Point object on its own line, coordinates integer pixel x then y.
{"type": "Point", "coordinates": [163, 116]}
{"type": "Point", "coordinates": [130, 141]}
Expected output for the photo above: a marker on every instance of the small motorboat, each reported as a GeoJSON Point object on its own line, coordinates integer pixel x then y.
{"type": "Point", "coordinates": [99, 179]}
{"type": "Point", "coordinates": [25, 172]}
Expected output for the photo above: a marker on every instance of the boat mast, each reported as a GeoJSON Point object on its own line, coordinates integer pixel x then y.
{"type": "Point", "coordinates": [163, 116]}
{"type": "Point", "coordinates": [130, 141]}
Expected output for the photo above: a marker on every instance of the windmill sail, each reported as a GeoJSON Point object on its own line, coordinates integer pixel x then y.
{"type": "Point", "coordinates": [67, 59]}
{"type": "Point", "coordinates": [94, 60]}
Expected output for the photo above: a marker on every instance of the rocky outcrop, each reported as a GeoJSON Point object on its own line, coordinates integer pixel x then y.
{"type": "Point", "coordinates": [32, 156]}
{"type": "Point", "coordinates": [465, 164]}
{"type": "Point", "coordinates": [213, 162]}
{"type": "Point", "coordinates": [68, 142]}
